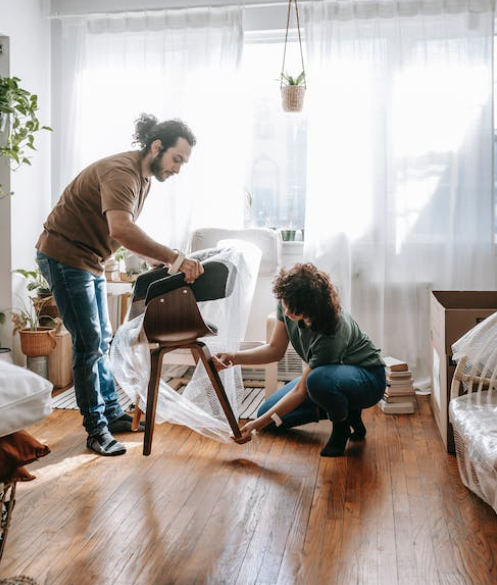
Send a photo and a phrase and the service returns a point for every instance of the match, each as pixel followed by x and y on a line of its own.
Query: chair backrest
pixel 170 304
pixel 211 285
pixel 174 317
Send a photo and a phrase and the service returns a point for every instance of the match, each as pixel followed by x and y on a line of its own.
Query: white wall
pixel 26 25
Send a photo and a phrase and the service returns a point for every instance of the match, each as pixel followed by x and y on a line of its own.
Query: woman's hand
pixel 223 360
pixel 246 431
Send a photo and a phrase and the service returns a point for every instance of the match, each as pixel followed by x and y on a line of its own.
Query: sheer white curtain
pixel 400 178
pixel 173 64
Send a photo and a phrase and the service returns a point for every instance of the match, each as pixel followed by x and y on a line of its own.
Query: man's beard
pixel 156 168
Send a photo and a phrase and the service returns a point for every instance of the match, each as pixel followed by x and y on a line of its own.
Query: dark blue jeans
pixel 82 302
pixel 335 390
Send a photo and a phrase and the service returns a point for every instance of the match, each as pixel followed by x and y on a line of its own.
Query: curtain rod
pixel 274 4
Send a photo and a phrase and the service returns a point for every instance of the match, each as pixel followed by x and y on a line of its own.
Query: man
pixel 96 215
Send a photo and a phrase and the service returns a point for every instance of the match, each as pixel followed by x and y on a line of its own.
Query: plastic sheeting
pixel 474 414
pixel 197 407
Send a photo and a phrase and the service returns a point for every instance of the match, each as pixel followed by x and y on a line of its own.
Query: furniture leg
pixel 203 352
pixel 152 394
pixel 137 415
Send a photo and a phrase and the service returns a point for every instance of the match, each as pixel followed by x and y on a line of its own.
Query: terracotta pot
pixel 37 343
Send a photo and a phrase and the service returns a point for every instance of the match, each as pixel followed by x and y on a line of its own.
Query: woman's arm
pixel 288 403
pixel 265 354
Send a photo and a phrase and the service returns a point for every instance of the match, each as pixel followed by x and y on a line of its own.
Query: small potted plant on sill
pixel 293 92
pixel 36 339
pixel 134 265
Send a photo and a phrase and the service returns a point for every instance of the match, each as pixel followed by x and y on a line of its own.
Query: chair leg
pixel 203 352
pixel 156 356
pixel 137 415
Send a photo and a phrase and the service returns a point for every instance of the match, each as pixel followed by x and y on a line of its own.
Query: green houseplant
pixel 36 339
pixel 18 122
pixel 293 91
pixel 37 283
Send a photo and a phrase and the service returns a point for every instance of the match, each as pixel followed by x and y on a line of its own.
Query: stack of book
pixel 399 394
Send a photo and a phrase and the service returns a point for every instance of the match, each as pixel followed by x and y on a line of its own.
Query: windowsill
pixel 293 246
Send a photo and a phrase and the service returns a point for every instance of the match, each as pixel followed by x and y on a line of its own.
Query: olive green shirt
pixel 76 232
pixel 347 345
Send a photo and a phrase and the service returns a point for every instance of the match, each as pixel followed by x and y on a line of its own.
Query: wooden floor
pixel 393 511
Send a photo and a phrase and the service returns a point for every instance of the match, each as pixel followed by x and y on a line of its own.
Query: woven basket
pixel 292 98
pixel 37 343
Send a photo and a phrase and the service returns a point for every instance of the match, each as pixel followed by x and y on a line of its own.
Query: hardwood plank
pixel 272 512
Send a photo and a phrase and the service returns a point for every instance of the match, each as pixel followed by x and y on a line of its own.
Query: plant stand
pixel 38 365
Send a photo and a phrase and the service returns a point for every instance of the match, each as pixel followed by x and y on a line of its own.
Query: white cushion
pixel 268 241
pixel 25 398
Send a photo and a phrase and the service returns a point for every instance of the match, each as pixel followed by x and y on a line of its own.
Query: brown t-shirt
pixel 76 231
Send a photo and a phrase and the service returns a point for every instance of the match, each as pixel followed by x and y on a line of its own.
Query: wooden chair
pixel 173 321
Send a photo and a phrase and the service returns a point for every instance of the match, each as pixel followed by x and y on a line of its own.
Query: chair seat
pixel 177 339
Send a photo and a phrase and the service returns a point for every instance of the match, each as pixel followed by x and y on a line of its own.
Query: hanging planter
pixel 292 88
pixel 292 94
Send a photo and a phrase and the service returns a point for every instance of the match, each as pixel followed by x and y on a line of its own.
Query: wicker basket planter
pixel 292 98
pixel 37 343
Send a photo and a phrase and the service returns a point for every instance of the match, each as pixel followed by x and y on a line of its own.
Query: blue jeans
pixel 82 302
pixel 335 390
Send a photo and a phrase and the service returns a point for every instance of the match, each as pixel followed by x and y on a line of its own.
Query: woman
pixel 344 372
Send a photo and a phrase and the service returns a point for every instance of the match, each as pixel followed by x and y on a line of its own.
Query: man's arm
pixel 123 229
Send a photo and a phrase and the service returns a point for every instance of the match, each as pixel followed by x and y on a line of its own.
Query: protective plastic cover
pixel 197 407
pixel 474 414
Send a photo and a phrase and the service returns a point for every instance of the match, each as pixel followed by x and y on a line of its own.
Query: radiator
pixel 289 367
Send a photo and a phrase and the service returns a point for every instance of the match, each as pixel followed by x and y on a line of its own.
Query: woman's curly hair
pixel 308 291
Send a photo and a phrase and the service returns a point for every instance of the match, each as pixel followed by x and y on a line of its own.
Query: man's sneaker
pixel 105 444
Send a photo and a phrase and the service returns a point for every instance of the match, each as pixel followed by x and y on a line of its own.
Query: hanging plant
pixel 293 92
pixel 292 88
pixel 18 122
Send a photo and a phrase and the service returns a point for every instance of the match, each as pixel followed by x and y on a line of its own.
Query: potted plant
pixel 293 92
pixel 18 122
pixel 37 283
pixel 133 264
pixel 36 339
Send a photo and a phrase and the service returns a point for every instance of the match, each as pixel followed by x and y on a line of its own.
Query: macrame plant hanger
pixel 293 88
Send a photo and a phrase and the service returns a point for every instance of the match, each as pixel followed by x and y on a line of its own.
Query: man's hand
pixel 192 269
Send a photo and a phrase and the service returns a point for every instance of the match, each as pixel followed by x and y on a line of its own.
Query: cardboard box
pixel 452 314
pixel 60 361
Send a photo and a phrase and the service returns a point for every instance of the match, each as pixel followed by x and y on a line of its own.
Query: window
pixel 276 162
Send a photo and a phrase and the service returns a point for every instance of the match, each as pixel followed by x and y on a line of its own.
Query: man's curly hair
pixel 308 291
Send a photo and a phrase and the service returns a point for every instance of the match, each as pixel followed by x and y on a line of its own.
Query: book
pixel 396 392
pixel 400 375
pixel 397 382
pixel 396 407
pixel 403 398
pixel 395 365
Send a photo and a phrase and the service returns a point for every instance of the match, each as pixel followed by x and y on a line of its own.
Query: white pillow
pixel 25 398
